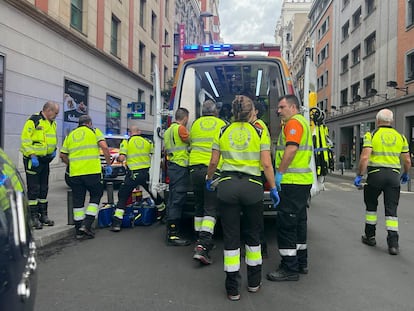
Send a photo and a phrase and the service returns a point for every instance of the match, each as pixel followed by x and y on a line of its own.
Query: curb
pixel 59 233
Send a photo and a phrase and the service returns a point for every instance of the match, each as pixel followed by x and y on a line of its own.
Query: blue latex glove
pixel 278 180
pixel 357 181
pixel 209 185
pixel 275 196
pixel 108 171
pixel 35 161
pixel 53 154
pixel 404 178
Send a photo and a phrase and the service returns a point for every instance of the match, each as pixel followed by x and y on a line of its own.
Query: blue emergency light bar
pixel 215 48
pixel 207 48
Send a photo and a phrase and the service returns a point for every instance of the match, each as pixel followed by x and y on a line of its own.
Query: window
pixel 114 35
pixel 152 103
pixel 369 83
pixel 141 95
pixel 153 60
pixel 344 63
pixel 323 54
pixel 345 31
pixel 410 66
pixel 154 27
pixel 370 44
pixel 76 14
pixel 356 18
pixel 141 60
pixel 142 8
pixel 355 91
pixel 167 9
pixel 345 3
pixel 356 55
pixel 369 6
pixel 322 80
pixel 166 42
pixel 165 78
pixel 324 28
pixel 410 12
pixel 344 97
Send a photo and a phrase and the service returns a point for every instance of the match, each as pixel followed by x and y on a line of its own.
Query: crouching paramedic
pixel 80 151
pixel 138 151
pixel 202 133
pixel 243 148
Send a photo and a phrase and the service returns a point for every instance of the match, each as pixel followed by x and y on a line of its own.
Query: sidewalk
pixel 348 174
pixel 57 211
pixel 57 198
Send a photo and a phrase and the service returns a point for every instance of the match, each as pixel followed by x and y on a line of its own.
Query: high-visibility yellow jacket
pixel 387 144
pixel 240 145
pixel 38 136
pixel 138 151
pixel 176 149
pixel 299 171
pixel 82 148
pixel 202 133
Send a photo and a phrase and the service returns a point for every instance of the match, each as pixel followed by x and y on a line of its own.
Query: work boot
pixel 116 224
pixel 281 275
pixel 303 270
pixel 173 238
pixel 160 212
pixel 78 234
pixel 86 227
pixel 232 283
pixel 201 254
pixel 370 241
pixel 36 223
pixel 44 219
pixel 392 241
pixel 264 250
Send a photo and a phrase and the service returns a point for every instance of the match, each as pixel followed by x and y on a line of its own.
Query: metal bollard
pixel 110 192
pixel 70 207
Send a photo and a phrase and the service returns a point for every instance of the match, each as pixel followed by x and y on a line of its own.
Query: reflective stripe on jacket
pixel 240 145
pixel 387 145
pixel 82 148
pixel 202 133
pixel 38 136
pixel 138 151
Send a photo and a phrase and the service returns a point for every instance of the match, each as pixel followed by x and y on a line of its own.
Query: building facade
pixel 364 57
pixel 290 25
pixel 94 57
pixel 196 22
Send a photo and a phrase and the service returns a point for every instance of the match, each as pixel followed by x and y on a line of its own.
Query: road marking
pixel 343 186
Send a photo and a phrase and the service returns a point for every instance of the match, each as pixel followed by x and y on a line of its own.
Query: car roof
pixel 116 136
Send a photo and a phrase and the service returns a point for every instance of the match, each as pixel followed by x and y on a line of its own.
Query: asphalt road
pixel 134 270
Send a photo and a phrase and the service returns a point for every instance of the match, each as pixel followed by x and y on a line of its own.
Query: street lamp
pixel 203 15
pixel 374 92
pixel 206 14
pixel 394 85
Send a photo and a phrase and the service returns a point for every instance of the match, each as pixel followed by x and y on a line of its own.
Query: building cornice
pixel 373 108
pixel 69 34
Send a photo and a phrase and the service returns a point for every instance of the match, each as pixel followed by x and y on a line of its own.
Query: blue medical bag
pixel 105 215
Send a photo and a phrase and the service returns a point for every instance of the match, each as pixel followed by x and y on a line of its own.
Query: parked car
pixel 18 264
pixel 118 168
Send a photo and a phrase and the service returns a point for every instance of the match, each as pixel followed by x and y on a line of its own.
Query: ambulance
pixel 221 71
